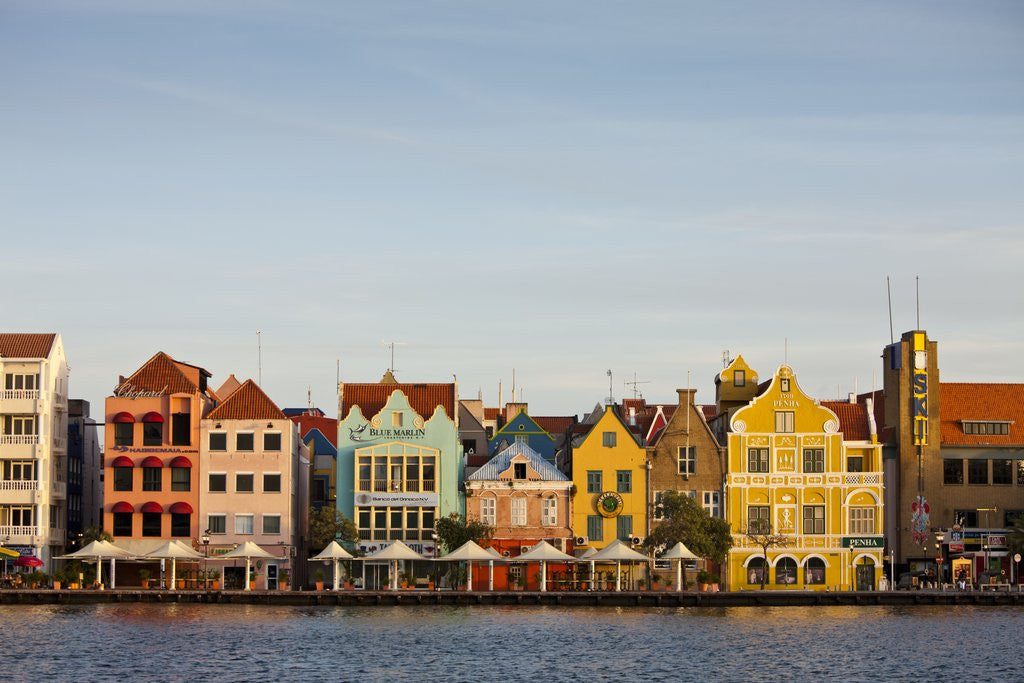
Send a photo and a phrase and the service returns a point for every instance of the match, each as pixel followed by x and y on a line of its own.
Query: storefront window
pixel 814 571
pixel 151 523
pixel 122 524
pixel 952 471
pixel 756 570
pixel 785 571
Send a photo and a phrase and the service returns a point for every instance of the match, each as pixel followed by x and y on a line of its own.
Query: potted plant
pixel 347 576
pixel 703 577
pixel 668 584
pixel 713 579
pixel 58 579
pixel 282 580
pixel 144 575
pixel 642 583
pixel 407 579
pixel 520 582
pixel 214 579
pixel 319 573
pixel 655 579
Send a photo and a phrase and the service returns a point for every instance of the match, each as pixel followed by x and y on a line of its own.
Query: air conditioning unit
pixel 559 543
pixel 581 540
pixel 637 540
pixel 506 553
pixel 524 549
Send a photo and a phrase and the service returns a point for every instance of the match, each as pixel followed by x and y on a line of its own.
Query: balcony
pixel 19 395
pixel 20 535
pixel 59 490
pixel 396 486
pixel 60 402
pixel 60 443
pixel 19 439
pixel 19 492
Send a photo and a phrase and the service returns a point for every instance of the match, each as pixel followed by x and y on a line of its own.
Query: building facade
pixel 85 490
pixel 33 444
pixel 792 474
pixel 522 429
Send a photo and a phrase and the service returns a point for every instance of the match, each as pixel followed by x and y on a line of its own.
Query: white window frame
pixel 517 511
pixel 712 502
pixel 862 520
pixel 263 441
pixel 220 515
pixel 210 474
pixel 686 460
pixel 243 432
pixel 549 511
pixel 280 482
pixel 785 421
pixel 240 517
pixel 263 523
pixel 488 510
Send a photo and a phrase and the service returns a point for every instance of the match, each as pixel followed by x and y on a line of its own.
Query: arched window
pixel 785 571
pixel 756 570
pixel 814 571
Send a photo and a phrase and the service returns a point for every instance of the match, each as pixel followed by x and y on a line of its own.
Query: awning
pixel 152 461
pixel 152 416
pixel 122 461
pixel 123 417
pixel 122 506
pixel 181 509
pixel 152 507
pixel 181 461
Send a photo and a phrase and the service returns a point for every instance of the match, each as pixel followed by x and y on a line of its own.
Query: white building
pixel 33 444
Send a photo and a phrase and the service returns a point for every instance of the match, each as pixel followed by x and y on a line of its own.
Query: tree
pixel 761 535
pixel 329 524
pixel 1016 538
pixel 683 520
pixel 94 533
pixel 454 530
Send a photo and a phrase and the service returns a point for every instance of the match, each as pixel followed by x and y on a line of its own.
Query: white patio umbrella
pixel 468 552
pixel 618 552
pixel 248 550
pixel 586 556
pixel 495 557
pixel 98 550
pixel 393 553
pixel 334 552
pixel 679 552
pixel 543 552
pixel 174 551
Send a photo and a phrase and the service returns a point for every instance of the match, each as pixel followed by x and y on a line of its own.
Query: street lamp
pixel 985 537
pixel 938 561
pixel 206 559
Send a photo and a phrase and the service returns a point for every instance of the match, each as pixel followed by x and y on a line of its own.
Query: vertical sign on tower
pixel 919 389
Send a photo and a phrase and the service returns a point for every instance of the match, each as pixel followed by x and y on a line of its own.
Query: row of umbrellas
pixel 543 552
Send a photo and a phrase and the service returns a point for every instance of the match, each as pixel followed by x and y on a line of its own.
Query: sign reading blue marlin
pixel 365 434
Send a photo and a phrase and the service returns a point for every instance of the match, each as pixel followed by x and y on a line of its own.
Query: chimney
pixel 853 398
pixel 686 396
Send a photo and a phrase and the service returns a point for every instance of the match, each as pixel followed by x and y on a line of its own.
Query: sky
pixel 561 189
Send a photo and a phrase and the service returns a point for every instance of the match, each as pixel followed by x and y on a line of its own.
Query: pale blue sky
pixel 561 188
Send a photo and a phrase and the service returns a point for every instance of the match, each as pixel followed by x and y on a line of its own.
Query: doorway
pixel 271 577
pixel 865 575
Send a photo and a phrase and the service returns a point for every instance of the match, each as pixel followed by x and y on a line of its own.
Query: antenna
pixel 392 345
pixel 513 385
pixel 309 398
pixel 888 288
pixel 611 393
pixel 259 357
pixel 337 373
pixel 634 384
pixel 725 358
pixel 785 350
pixel 917 287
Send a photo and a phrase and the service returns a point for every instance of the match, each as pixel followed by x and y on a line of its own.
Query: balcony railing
pixel 396 486
pixel 20 394
pixel 14 531
pixel 19 485
pixel 830 542
pixel 19 439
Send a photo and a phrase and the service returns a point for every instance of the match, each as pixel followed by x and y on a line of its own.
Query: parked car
pixel 911 580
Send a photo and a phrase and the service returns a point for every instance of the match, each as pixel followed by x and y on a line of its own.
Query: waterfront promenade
pixel 642 599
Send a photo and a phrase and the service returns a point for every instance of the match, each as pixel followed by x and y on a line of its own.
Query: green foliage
pixel 319 573
pixel 686 521
pixel 1016 538
pixel 94 533
pixel 453 531
pixel 703 576
pixel 144 574
pixel 329 524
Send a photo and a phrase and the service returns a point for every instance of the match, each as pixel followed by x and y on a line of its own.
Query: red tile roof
pixel 423 398
pixel 710 411
pixel 160 373
pixel 853 419
pixel 491 413
pixel 26 345
pixel 328 426
pixel 248 402
pixel 982 402
pixel 555 425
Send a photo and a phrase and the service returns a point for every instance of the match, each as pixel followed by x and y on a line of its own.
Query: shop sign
pixel 956 547
pixel 127 390
pixel 956 536
pixel 863 542
pixel 919 389
pixel 367 433
pixel 151 449
pixel 997 540
pixel 406 499
pixel 609 504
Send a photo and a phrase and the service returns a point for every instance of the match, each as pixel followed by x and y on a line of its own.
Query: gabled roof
pixel 230 386
pixel 26 345
pixel 159 373
pixel 555 424
pixel 853 419
pixel 423 398
pixel 491 413
pixel 964 401
pixel 503 460
pixel 292 412
pixel 327 426
pixel 248 402
pixel 709 411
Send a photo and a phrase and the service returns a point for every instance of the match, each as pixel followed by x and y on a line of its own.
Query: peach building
pixel 254 484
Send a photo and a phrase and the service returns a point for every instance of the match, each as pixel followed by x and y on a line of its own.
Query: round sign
pixel 1016 557
pixel 609 504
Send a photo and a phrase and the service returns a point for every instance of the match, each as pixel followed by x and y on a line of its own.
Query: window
pixel 952 471
pixel 13 382
pixel 181 429
pixel 152 434
pixel 396 418
pixel 181 478
pixel 757 459
pixel 122 478
pixel 756 569
pixel 758 519
pixel 244 441
pixel 784 422
pixel 272 483
pixel 522 438
pixel 519 470
pixel 784 385
pixel 977 471
pixel 1010 517
pixel 243 524
pixel 487 510
pixel 987 428
pixel 218 483
pixel 518 511
pixel 243 483
pixel 595 528
pixel 594 483
pixel 814 570
pixel 785 571
pixel 272 441
pixel 966 518
pixel 124 433
pixel 862 520
pixel 218 441
pixel 272 524
pixel 814 460
pixel 217 524
pixel 1002 472
pixel 855 463
pixel 713 503
pixel 624 527
pixel 624 481
pixel 19 470
pixel 814 519
pixel 1020 473
pixel 608 439
pixel 687 460
pixel 21 516
pixel 151 478
pixel 739 378
pixel 19 425
pixel 549 512
pixel 181 524
pixel 122 524
pixel 658 512
pixel 151 524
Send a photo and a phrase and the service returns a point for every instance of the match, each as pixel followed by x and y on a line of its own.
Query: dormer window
pixel 986 427
pixel 784 385
pixel 739 378
pixel 396 419
pixel 519 470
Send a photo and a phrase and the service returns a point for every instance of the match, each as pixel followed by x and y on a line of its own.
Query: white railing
pixel 20 394
pixel 20 485
pixel 19 440
pixel 14 531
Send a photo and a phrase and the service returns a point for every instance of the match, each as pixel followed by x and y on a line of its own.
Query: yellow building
pixel 609 473
pixel 812 473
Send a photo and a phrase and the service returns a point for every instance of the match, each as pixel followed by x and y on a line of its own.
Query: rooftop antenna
pixel 917 287
pixel 888 289
pixel 636 390
pixel 513 385
pixel 785 350
pixel 309 398
pixel 611 393
pixel 725 358
pixel 259 357
pixel 392 345
pixel 337 372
